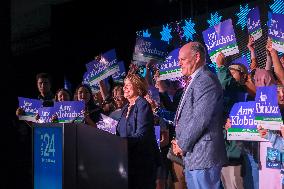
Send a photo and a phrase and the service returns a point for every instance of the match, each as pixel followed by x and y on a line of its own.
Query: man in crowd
pixel 199 136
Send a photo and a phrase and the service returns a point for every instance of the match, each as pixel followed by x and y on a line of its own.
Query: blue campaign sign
pixel 45 114
pixel 30 106
pixel 276 31
pixel 69 111
pixel 267 112
pixel 104 67
pixel 266 102
pixel 253 23
pixel 147 48
pixel 243 60
pixel 242 115
pixel 47 157
pixel 170 68
pixel 119 76
pixel 220 38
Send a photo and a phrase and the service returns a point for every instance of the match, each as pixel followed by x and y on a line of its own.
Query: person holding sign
pixel 137 126
pixel 44 87
pixel 199 134
pixel 92 114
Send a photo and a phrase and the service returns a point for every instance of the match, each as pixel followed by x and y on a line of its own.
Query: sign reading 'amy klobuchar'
pixel 221 38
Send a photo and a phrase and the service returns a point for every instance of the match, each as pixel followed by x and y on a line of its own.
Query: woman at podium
pixel 137 125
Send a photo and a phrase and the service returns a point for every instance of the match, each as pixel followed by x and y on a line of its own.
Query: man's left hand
pixel 176 149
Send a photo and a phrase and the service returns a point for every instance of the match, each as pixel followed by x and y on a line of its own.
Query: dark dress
pixel 143 153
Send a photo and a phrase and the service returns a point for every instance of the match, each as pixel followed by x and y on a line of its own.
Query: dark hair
pixel 91 104
pixel 139 83
pixel 43 75
pixel 65 90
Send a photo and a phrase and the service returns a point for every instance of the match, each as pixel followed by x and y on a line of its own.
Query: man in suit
pixel 199 120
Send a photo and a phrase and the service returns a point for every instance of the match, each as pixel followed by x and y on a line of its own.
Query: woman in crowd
pixel 119 102
pixel 92 113
pixel 137 125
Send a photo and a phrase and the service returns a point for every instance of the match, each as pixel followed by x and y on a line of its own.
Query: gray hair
pixel 198 47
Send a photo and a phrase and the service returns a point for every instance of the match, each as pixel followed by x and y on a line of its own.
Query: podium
pixel 77 156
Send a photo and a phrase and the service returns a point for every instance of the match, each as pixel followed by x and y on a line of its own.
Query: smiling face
pixel 118 97
pixel 63 96
pixel 83 95
pixel 129 90
pixel 189 59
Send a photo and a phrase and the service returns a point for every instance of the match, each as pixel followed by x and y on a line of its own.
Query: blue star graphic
pixel 166 33
pixel 214 20
pixel 242 15
pixel 146 33
pixel 188 29
pixel 277 7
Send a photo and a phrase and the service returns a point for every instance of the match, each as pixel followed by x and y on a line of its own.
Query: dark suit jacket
pixel 199 123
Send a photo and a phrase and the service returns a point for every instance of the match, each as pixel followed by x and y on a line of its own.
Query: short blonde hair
pixel 139 84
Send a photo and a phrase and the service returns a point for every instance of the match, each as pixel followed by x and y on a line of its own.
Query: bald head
pixel 191 57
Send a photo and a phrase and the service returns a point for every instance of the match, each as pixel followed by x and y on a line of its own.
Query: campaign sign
pixel 30 106
pixel 243 123
pixel 267 112
pixel 221 38
pixel 47 157
pixel 273 158
pixel 158 134
pixel 107 124
pixel 105 67
pixel 120 75
pixel 69 111
pixel 170 69
pixel 276 31
pixel 45 114
pixel 147 48
pixel 253 23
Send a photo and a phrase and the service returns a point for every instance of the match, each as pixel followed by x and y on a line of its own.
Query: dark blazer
pixel 199 123
pixel 143 152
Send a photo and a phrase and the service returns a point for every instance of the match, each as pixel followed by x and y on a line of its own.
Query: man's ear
pixel 197 57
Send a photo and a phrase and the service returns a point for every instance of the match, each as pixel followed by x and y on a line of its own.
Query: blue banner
pixel 267 112
pixel 242 115
pixel 243 123
pixel 30 106
pixel 170 68
pixel 253 23
pixel 45 114
pixel 69 111
pixel 120 75
pixel 48 157
pixel 147 48
pixel 105 67
pixel 276 31
pixel 221 38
